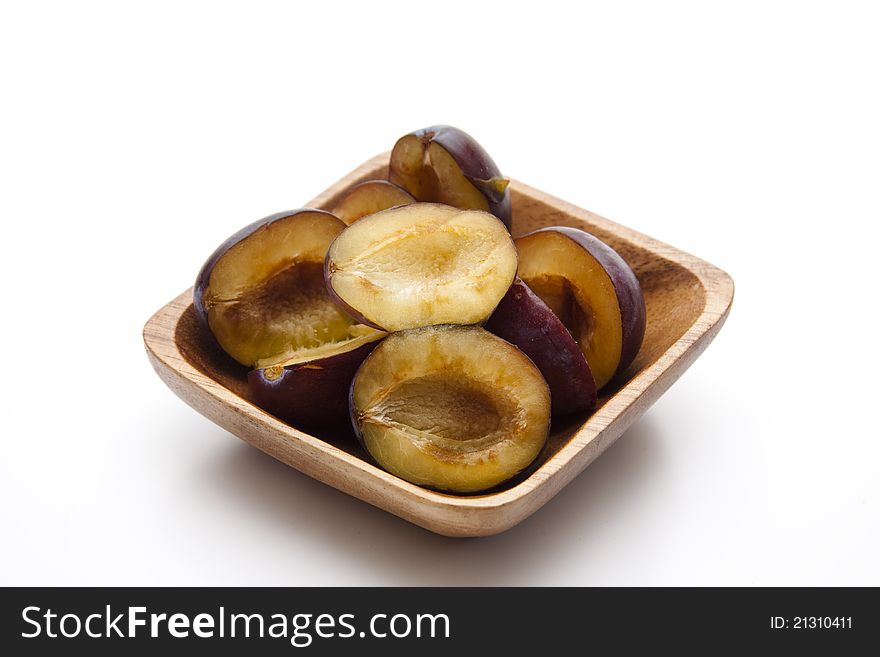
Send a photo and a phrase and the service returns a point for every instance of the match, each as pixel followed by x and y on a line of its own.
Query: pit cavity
pixel 560 295
pixel 451 409
pixel 290 311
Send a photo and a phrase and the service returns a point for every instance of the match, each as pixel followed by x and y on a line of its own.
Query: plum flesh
pixel 421 265
pixel 450 407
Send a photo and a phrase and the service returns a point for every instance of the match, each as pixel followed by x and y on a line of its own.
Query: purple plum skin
pixel 312 394
pixel 525 321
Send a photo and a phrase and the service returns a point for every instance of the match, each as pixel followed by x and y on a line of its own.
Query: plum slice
pixel 528 323
pixel 370 197
pixel 312 392
pixel 450 407
pixel 446 165
pixel 262 292
pixel 593 292
pixel 420 265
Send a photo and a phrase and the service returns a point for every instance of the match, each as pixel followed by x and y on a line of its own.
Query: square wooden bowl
pixel 687 301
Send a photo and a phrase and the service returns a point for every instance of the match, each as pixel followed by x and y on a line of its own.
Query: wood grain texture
pixel 687 302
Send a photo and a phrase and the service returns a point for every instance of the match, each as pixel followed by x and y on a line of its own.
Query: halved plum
pixel 528 323
pixel 368 198
pixel 420 265
pixel 446 165
pixel 451 407
pixel 262 292
pixel 592 290
pixel 314 392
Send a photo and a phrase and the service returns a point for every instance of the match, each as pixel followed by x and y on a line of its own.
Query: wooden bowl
pixel 687 301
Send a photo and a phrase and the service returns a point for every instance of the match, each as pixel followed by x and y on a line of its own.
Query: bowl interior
pixel 674 296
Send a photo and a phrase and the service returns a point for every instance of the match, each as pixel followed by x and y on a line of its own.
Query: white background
pixel 134 140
